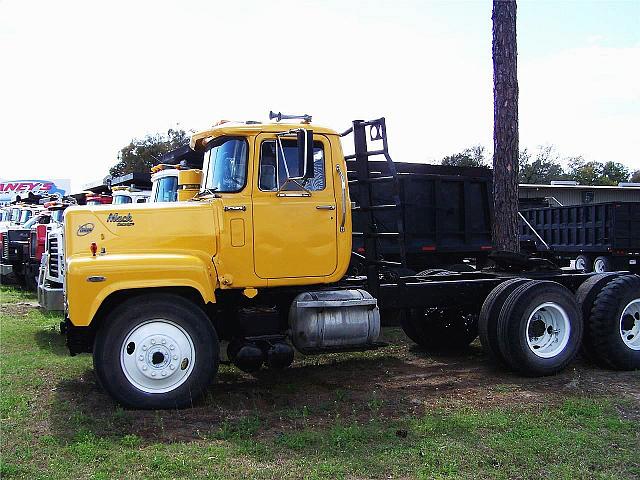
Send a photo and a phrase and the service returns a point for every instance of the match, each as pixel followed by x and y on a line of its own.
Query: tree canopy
pixel 545 165
pixel 541 169
pixel 142 154
pixel 469 157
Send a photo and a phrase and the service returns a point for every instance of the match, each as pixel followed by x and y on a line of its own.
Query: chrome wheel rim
pixel 599 266
pixel 630 325
pixel 548 330
pixel 580 264
pixel 157 356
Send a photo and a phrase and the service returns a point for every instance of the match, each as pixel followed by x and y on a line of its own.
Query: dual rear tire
pixel 534 327
pixel 537 327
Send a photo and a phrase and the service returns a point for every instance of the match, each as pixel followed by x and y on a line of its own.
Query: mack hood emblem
pixel 120 220
pixel 85 229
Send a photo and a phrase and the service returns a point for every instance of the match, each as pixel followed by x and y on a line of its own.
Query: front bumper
pixel 51 298
pixel 6 269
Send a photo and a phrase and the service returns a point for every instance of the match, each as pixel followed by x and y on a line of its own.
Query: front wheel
pixel 155 353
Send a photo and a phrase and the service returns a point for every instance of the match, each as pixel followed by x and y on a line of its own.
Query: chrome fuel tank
pixel 334 320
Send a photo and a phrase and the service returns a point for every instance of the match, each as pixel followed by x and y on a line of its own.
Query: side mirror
pixel 305 152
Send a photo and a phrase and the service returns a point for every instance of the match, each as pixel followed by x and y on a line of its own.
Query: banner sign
pixel 11 189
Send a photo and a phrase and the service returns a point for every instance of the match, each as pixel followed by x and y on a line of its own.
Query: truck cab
pixel 122 195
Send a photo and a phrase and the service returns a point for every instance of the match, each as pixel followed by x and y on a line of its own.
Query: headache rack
pixel 358 163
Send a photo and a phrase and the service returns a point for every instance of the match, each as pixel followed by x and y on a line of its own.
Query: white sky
pixel 80 79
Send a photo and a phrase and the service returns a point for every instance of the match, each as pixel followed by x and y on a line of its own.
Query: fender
pixel 92 279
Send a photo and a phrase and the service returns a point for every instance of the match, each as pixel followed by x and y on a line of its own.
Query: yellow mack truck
pixel 256 263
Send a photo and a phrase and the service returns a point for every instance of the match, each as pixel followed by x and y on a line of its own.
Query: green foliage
pixel 597 173
pixel 142 154
pixel 541 169
pixel 66 427
pixel 469 157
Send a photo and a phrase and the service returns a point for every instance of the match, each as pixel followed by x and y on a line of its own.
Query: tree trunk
pixel 505 126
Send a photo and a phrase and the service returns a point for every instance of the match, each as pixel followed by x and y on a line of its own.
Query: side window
pixel 267 180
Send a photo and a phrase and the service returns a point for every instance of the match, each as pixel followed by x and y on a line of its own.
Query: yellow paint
pixel 259 240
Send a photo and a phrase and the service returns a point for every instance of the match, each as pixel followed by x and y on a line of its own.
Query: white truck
pixel 123 195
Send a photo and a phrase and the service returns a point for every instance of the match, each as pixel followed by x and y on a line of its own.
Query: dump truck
pixel 131 194
pixel 174 183
pixel 599 237
pixel 256 266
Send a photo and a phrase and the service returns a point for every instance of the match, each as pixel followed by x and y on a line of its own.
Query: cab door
pixel 295 229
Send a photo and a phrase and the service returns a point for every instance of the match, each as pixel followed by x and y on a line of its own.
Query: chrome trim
pixel 344 198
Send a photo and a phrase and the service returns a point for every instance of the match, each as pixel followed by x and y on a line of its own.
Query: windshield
pixel 120 199
pixel 166 189
pixel 25 215
pixel 226 165
pixel 57 215
pixel 38 219
pixel 94 202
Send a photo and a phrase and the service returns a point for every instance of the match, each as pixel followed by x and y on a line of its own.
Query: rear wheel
pixel 157 352
pixel 585 296
pixel 583 263
pixel 488 320
pixel 602 264
pixel 614 325
pixel 539 328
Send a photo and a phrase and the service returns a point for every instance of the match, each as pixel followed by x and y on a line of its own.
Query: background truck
pixel 14 243
pixel 600 237
pixel 446 211
pixel 255 266
pixel 122 195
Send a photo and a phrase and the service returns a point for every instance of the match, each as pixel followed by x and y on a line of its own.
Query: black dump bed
pixel 447 212
pixel 600 227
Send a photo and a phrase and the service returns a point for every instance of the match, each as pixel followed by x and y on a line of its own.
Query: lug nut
pixel 172 367
pixel 153 374
pixel 171 347
pixel 175 357
pixel 153 341
pixel 164 342
pixel 144 367
pixel 144 347
pixel 141 358
pixel 164 374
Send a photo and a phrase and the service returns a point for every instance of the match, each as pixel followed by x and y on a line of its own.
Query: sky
pixel 80 79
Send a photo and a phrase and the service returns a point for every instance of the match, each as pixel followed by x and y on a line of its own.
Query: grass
pixel 56 423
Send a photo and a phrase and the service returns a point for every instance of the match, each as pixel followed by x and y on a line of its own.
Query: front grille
pixel 33 243
pixel 52 248
pixel 5 245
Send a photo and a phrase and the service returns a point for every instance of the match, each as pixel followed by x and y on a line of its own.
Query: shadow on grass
pixel 273 399
pixel 52 341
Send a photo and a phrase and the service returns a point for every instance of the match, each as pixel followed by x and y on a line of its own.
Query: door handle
pixel 235 208
pixel 325 207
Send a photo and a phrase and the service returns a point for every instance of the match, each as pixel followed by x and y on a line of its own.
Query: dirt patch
pixel 19 309
pixel 390 383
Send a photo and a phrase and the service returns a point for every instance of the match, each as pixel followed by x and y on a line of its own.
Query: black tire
pixel 514 328
pixel 488 319
pixel 602 264
pixel 586 261
pixel 585 296
pixel 605 322
pixel 440 330
pixel 407 326
pixel 124 319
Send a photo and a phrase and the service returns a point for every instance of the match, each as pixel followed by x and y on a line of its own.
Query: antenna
pixel 281 116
